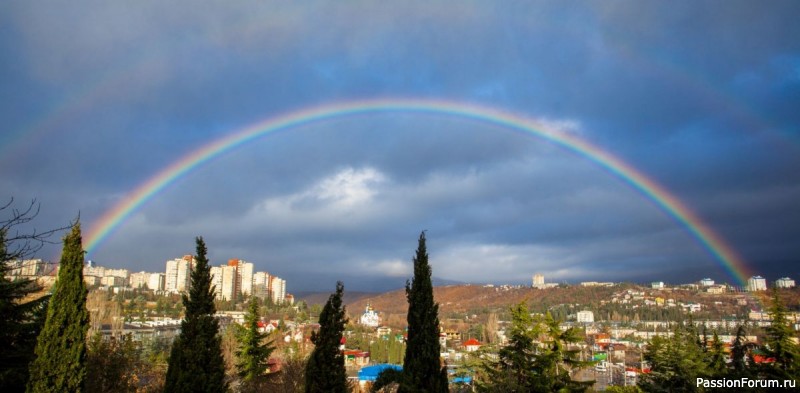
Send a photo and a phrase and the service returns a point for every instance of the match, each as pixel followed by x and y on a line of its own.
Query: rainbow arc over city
pixel 647 187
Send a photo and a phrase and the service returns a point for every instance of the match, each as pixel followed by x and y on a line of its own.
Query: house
pixel 355 357
pixel 472 345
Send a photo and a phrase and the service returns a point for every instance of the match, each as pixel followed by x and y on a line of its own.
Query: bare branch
pixel 17 243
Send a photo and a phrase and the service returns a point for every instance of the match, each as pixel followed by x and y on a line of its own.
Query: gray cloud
pixel 98 97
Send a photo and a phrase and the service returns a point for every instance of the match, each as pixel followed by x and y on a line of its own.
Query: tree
pixel 675 362
pixel 22 317
pixel 739 355
pixel 514 368
pixel 555 359
pixel 716 362
pixel 254 352
pixel 60 363
pixel 112 366
pixel 523 366
pixel 325 370
pixel 422 370
pixel 195 362
pixel 779 344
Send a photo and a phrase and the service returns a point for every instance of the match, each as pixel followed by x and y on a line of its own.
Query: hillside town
pixel 616 320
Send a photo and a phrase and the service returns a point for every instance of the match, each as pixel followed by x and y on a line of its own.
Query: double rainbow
pixel 667 202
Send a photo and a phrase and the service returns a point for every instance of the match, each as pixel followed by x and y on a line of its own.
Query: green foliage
pixel 675 362
pixel 325 370
pixel 20 323
pixel 254 352
pixel 422 370
pixel 195 362
pixel 387 349
pixel 739 355
pixel 779 344
pixel 514 368
pixel 113 365
pixel 60 363
pixel 524 365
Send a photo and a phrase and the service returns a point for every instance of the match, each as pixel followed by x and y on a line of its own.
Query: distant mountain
pixel 472 298
pixel 322 297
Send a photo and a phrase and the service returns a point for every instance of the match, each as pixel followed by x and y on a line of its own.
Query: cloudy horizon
pixel 99 98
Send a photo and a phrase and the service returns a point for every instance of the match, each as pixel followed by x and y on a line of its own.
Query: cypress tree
pixel 195 361
pixel 422 371
pixel 325 370
pixel 254 352
pixel 60 364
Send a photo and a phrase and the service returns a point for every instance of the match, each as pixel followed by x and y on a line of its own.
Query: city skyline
pixel 596 142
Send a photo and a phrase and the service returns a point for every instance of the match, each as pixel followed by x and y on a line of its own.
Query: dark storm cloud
pixel 98 97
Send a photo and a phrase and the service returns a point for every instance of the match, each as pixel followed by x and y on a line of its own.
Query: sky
pixel 700 97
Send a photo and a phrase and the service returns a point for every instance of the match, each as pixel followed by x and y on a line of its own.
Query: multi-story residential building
pixel 223 278
pixel 178 274
pixel 784 282
pixel 277 289
pixel 657 285
pixel 138 280
pixel 706 282
pixel 261 285
pixel 146 280
pixel 756 283
pixel 94 270
pixel 155 282
pixel 585 317
pixel 112 281
pixel 538 281
pixel 244 276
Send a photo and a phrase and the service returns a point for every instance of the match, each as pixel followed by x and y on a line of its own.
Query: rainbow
pixel 668 203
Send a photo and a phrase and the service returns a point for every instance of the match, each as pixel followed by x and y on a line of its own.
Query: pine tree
pixel 254 352
pixel 60 364
pixel 779 343
pixel 738 355
pixel 514 368
pixel 422 371
pixel 20 324
pixel 325 370
pixel 195 362
pixel 717 366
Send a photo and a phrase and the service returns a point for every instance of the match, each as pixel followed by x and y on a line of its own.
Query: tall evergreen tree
pixel 513 371
pixel 195 362
pixel 422 371
pixel 675 362
pixel 739 355
pixel 20 324
pixel 325 370
pixel 60 364
pixel 779 344
pixel 254 352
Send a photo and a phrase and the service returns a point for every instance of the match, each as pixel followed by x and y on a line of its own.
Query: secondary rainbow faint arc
pixel 704 234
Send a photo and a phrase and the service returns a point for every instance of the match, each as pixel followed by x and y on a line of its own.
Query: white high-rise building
pixel 277 289
pixel 216 280
pixel 757 283
pixel 178 274
pixel 538 281
pixel 244 277
pixel 784 282
pixel 261 284
pixel 155 282
pixel 706 282
pixel 223 278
